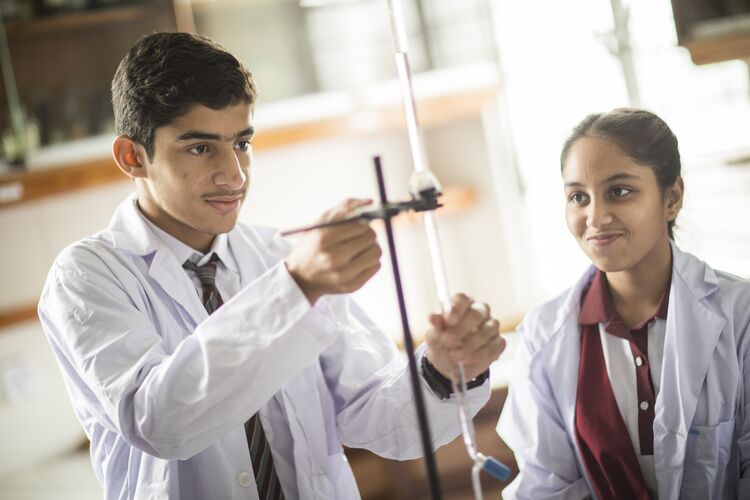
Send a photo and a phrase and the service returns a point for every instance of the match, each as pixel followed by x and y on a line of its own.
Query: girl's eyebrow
pixel 616 177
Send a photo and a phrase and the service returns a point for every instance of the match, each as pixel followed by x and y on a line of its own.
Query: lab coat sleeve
pixel 531 425
pixel 373 398
pixel 173 405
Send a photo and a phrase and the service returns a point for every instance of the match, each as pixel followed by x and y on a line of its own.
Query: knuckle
pixel 327 260
pixel 476 315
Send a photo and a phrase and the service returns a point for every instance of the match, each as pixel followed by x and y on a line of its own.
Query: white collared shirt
pixel 621 367
pixel 227 273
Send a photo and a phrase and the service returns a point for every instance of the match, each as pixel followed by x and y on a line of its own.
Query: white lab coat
pixel 163 390
pixel 702 411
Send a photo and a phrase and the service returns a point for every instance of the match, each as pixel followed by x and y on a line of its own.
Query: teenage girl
pixel 634 383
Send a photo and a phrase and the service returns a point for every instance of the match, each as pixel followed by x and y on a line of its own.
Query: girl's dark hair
pixel 164 74
pixel 640 134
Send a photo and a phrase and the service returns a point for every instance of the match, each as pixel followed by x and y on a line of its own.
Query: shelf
pixel 711 34
pixel 65 21
pixel 27 186
pixel 17 315
pixel 433 111
pixel 719 48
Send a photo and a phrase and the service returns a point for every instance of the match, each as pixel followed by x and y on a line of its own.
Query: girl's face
pixel 615 208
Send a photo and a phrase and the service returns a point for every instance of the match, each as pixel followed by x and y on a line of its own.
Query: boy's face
pixel 195 184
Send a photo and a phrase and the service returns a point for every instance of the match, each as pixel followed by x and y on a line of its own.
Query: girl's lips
pixel 224 207
pixel 603 240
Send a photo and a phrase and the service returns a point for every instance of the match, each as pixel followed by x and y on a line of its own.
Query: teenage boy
pixel 213 360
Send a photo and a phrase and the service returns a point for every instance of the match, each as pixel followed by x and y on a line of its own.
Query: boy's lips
pixel 225 204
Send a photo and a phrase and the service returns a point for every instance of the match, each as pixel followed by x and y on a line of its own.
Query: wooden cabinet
pixel 61 70
pixel 713 30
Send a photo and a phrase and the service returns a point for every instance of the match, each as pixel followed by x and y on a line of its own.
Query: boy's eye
pixel 199 149
pixel 243 145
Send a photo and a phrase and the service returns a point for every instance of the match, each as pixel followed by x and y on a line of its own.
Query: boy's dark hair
pixel 164 74
pixel 640 134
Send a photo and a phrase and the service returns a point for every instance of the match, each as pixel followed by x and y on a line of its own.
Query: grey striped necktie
pixel 260 453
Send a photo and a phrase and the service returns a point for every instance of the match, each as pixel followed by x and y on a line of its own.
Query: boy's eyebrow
pixel 207 136
pixel 616 177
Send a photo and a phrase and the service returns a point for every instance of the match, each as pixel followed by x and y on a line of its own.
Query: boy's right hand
pixel 335 259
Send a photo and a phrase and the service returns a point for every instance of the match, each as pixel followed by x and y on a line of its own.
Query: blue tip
pixel 496 469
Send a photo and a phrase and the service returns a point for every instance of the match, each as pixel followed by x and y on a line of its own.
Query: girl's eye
pixel 577 198
pixel 199 149
pixel 620 192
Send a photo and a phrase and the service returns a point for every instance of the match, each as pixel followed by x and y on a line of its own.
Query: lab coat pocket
pixel 707 455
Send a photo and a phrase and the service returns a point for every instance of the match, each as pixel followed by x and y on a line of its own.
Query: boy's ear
pixel 129 156
pixel 674 196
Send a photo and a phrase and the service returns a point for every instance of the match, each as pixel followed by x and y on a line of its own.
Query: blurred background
pixel 499 84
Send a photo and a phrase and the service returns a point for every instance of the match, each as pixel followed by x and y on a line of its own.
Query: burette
pixel 421 175
pixel 423 180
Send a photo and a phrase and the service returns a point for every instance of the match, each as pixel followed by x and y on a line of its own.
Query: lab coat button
pixel 245 479
pixel 644 405
pixel 638 361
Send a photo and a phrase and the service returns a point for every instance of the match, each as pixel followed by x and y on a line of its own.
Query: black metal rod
pixel 424 424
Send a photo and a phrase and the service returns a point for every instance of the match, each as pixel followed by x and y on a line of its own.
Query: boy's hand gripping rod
pixel 422 177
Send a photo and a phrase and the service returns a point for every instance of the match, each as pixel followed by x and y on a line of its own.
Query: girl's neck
pixel 637 292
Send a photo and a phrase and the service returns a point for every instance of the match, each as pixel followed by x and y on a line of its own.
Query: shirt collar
pixel 597 306
pixel 184 252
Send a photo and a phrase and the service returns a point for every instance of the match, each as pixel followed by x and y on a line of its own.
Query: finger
pixel 437 321
pixel 351 252
pixel 478 338
pixel 340 233
pixel 487 354
pixel 366 257
pixel 460 303
pixel 358 244
pixel 345 208
pixel 476 314
pixel 362 277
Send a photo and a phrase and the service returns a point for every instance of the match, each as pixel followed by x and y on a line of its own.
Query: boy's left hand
pixel 466 334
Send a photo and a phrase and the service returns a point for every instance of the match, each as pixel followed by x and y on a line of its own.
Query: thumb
pixel 346 207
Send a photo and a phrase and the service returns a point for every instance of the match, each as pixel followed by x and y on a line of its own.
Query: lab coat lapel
pixel 175 282
pixel 692 332
pixel 248 251
pixel 565 357
pixel 131 233
pixel 243 249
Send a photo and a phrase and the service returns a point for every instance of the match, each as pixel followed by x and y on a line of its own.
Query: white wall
pixel 557 69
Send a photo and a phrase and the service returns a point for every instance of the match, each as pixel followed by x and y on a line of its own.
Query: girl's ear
pixel 128 155
pixel 673 198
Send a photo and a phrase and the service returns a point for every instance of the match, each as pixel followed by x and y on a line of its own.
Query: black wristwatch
pixel 441 385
